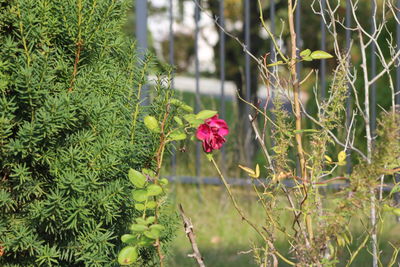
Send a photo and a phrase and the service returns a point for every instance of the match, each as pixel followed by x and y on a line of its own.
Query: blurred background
pixel 211 70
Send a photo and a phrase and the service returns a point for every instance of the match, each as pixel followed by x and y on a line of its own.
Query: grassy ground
pixel 225 240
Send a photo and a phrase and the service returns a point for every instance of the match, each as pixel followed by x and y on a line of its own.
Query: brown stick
pixel 187 224
pixel 297 110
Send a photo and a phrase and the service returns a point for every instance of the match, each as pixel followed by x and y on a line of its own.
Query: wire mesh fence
pixel 320 37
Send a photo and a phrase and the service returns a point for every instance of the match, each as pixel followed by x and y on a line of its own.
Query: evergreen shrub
pixel 70 129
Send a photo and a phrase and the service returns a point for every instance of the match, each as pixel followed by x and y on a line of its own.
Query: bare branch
pixel 187 224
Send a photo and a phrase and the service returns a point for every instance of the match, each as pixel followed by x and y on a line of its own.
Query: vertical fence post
pixel 272 13
pixel 196 63
pixel 349 98
pixel 397 92
pixel 172 62
pixel 247 56
pixel 246 122
pixel 222 65
pixel 141 36
pixel 372 106
pixel 323 48
pixel 299 65
pixel 272 19
pixel 373 71
pixel 299 41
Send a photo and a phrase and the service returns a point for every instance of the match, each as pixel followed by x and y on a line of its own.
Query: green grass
pixel 220 232
pixel 224 239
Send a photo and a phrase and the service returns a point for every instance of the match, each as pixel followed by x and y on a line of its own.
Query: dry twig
pixel 187 224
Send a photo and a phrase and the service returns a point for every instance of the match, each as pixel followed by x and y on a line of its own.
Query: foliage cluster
pixel 70 128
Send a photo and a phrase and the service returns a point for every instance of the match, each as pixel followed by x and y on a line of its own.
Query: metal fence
pixel 141 7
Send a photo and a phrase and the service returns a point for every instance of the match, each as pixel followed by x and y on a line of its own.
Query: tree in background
pixel 70 129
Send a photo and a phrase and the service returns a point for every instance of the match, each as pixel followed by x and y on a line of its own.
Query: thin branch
pixel 187 224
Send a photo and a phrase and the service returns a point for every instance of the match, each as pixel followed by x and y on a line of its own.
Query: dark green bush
pixel 70 129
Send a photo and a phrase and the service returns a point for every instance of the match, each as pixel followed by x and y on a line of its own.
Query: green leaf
pixel 150 219
pixel 320 55
pixel 386 207
pixel 128 238
pixel 145 241
pixel 342 156
pixel 205 114
pixel 191 118
pixel 328 159
pixel 151 205
pixel 181 105
pixel 127 255
pixel 141 221
pixel 154 190
pixel 164 181
pixel 139 206
pixel 138 228
pixel 151 123
pixel 307 58
pixel 396 211
pixel 139 195
pixel 158 227
pixel 148 172
pixel 137 178
pixel 177 135
pixel 176 102
pixel 305 53
pixel 280 62
pixel 395 189
pixel 153 234
pixel 305 131
pixel 178 120
pixel 187 108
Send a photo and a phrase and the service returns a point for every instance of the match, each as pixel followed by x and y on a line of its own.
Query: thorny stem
pixel 297 110
pixel 296 88
pixel 241 213
pixel 159 159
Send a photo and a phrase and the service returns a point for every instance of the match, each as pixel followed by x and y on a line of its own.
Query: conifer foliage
pixel 70 129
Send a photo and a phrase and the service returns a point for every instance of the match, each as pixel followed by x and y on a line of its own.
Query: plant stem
pixel 241 213
pixel 270 33
pixel 159 159
pixel 367 118
pixel 297 110
pixel 187 224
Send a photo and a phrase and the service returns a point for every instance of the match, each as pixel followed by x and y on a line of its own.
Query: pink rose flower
pixel 212 133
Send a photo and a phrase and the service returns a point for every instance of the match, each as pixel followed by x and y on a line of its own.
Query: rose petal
pixel 223 131
pixel 207 147
pixel 212 133
pixel 203 132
